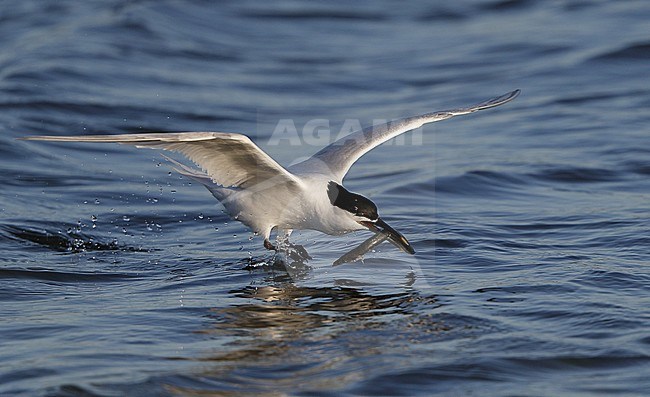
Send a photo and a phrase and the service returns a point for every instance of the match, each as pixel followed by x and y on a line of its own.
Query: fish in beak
pixel 395 237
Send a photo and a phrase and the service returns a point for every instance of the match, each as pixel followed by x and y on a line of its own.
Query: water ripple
pixel 637 51
pixel 529 221
pixel 70 241
pixel 64 277
pixel 578 175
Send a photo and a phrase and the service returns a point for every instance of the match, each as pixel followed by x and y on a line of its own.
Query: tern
pixel 258 192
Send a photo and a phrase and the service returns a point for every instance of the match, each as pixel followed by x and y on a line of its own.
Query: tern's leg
pixel 266 233
pixel 269 246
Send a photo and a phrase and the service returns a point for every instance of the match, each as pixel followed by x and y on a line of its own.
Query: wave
pixel 326 15
pixel 637 51
pixel 577 175
pixel 58 276
pixel 72 240
pixel 480 183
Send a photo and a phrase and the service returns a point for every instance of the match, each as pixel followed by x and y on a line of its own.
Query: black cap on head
pixel 351 202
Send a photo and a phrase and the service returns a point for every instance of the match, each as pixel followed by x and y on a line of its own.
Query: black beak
pixel 395 237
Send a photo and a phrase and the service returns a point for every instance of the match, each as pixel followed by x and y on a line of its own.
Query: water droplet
pixel 126 218
pixel 201 216
pixel 93 218
pixel 96 201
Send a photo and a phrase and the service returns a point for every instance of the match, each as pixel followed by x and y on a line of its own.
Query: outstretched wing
pixel 231 160
pixel 339 156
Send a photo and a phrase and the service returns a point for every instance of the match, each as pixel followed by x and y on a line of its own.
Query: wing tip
pixel 36 138
pixel 500 100
pixel 511 95
pixel 144 137
pixel 69 138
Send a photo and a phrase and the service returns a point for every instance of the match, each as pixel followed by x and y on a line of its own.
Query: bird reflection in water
pixel 282 333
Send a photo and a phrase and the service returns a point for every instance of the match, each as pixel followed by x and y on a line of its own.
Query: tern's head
pixel 364 212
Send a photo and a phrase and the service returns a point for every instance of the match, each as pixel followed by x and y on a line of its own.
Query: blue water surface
pixel 530 221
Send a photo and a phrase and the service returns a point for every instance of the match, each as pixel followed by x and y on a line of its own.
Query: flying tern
pixel 263 195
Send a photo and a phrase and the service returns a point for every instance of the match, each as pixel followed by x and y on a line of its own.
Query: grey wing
pixel 229 159
pixel 339 156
